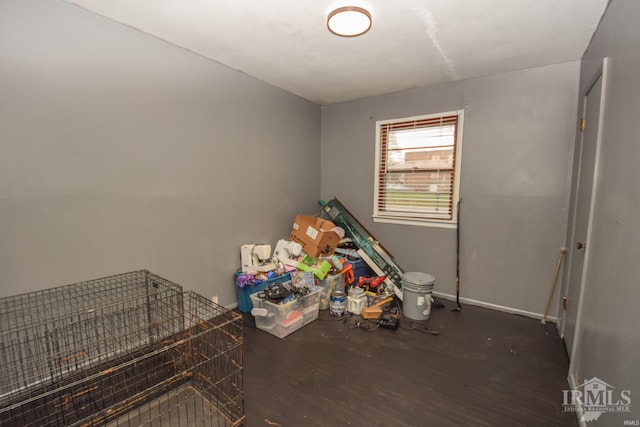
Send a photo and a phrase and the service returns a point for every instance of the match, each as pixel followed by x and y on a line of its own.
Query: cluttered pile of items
pixel 334 265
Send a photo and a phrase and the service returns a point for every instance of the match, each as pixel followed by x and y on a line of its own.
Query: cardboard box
pixel 315 235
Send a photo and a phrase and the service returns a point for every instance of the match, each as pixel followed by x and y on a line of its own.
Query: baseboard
pixel 510 310
pixel 231 306
pixel 572 385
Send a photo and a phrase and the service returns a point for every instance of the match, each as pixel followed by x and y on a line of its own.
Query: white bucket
pixel 416 295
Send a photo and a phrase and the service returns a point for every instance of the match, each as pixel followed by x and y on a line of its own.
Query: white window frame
pixel 406 217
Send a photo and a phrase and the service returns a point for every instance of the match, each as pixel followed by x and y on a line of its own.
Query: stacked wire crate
pixel 129 349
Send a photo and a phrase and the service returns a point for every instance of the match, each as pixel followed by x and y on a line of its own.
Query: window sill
pixel 450 224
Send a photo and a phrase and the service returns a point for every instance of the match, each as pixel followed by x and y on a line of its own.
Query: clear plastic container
pixel 327 286
pixel 283 319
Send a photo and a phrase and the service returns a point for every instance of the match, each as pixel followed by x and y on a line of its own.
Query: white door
pixel 578 249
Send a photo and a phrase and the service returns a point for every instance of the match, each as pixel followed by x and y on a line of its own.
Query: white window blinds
pixel 416 167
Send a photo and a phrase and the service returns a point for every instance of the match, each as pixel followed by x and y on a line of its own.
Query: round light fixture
pixel 349 21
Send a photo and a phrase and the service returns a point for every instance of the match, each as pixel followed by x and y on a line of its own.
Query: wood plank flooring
pixel 486 368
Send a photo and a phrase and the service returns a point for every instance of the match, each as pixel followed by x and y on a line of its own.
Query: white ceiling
pixel 412 43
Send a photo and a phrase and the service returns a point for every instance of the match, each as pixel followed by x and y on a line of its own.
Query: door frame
pixel 602 72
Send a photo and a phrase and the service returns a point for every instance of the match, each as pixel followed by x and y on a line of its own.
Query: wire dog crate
pixel 126 350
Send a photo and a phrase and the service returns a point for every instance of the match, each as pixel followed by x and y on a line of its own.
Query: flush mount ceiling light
pixel 349 21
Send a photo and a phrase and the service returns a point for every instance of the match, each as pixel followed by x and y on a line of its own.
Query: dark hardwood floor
pixel 486 368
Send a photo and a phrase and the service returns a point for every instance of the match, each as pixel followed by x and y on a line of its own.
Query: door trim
pixel 603 74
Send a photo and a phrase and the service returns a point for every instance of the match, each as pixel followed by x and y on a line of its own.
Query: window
pixel 417 169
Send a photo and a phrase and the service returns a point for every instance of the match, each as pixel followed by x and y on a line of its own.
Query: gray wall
pixel 610 315
pixel 519 130
pixel 120 152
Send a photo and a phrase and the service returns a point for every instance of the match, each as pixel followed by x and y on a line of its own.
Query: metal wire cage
pixel 131 349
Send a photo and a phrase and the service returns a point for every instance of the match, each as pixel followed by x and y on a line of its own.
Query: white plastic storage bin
pixel 283 319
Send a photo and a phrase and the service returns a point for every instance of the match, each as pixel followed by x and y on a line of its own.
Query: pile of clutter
pixel 317 267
